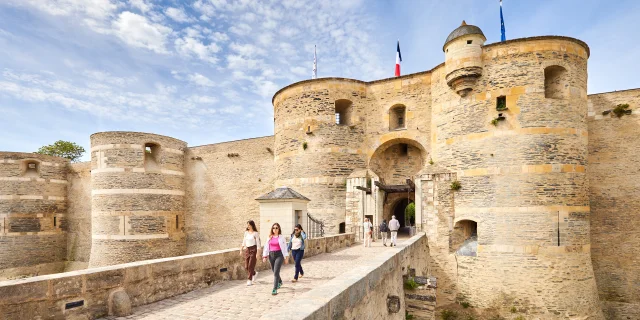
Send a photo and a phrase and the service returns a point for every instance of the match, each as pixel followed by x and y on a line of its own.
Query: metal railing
pixel 315 227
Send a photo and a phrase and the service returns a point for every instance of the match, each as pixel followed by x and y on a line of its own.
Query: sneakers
pixel 301 275
pixel 249 282
pixel 384 244
pixel 274 292
pixel 253 279
pixel 279 285
pixel 294 280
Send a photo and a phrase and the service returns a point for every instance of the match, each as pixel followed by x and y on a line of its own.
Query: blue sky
pixel 204 71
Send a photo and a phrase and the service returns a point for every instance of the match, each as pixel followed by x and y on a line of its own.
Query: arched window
pixel 464 238
pixel 31 168
pixel 343 112
pixel 556 82
pixel 397 117
pixel 151 156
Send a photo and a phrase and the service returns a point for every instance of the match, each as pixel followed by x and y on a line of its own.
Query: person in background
pixel 384 228
pixel 276 250
pixel 250 243
pixel 394 225
pixel 368 230
pixel 296 245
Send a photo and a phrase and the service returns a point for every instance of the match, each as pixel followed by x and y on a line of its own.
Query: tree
pixel 410 213
pixel 64 149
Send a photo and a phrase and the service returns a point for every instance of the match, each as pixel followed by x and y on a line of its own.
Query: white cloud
pixel 201 80
pixel 300 71
pixel 177 14
pixel 239 62
pixel 137 31
pixel 219 36
pixel 141 5
pixel 190 47
pixel 247 49
pixel 241 29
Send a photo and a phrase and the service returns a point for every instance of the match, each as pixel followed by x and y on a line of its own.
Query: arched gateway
pixel 386 187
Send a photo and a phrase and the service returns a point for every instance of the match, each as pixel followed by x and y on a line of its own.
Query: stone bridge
pixel 342 280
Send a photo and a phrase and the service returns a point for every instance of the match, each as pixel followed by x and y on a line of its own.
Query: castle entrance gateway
pixel 386 187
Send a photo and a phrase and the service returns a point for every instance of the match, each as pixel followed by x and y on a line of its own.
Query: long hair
pixel 299 228
pixel 253 225
pixel 271 234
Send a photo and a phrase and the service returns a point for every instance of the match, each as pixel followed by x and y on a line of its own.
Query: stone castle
pixel 546 214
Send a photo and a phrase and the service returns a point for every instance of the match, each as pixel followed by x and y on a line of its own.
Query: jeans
pixel 250 261
pixel 276 259
pixel 297 257
pixel 394 237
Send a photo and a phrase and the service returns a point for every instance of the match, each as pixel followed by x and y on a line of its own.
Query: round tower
pixel 137 197
pixel 33 207
pixel 318 139
pixel 517 142
pixel 463 57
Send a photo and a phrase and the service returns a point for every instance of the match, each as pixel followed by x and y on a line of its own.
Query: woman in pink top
pixel 276 251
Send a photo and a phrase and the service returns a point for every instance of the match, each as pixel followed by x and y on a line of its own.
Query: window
pixel 464 238
pixel 151 156
pixel 556 82
pixel 343 112
pixel 501 103
pixel 397 117
pixel 31 169
pixel 469 41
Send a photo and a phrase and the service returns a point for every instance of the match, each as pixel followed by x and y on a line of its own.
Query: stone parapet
pixel 86 293
pixel 373 290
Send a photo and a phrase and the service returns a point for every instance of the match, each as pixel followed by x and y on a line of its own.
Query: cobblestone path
pixel 236 300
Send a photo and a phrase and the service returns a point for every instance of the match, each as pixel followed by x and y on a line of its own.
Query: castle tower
pixel 463 57
pixel 517 142
pixel 33 205
pixel 318 142
pixel 137 197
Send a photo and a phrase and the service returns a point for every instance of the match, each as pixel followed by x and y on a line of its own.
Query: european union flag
pixel 504 37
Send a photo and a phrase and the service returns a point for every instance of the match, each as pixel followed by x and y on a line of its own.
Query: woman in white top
pixel 276 250
pixel 296 246
pixel 250 242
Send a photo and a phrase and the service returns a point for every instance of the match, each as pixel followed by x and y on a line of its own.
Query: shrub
pixel 410 284
pixel 465 304
pixel 620 110
pixel 448 315
pixel 514 310
pixel 431 161
pixel 455 186
pixel 304 145
pixel 408 316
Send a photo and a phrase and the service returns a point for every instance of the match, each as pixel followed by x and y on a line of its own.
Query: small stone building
pixel 284 206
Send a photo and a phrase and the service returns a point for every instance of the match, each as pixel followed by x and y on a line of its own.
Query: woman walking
pixel 276 251
pixel 250 242
pixel 296 245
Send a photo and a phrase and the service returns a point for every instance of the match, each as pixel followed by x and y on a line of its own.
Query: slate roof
pixel 283 193
pixel 462 30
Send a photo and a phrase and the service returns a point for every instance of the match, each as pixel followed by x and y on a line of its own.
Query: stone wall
pixel 78 216
pixel 33 213
pixel 365 292
pixel 614 183
pixel 45 297
pixel 223 181
pixel 523 181
pixel 137 197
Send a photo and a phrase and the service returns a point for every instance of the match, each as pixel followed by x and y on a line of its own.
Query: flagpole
pixel 315 64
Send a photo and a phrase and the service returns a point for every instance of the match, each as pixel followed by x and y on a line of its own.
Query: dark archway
pixel 398 211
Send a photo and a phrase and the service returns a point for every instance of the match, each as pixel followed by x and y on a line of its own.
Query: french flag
pixel 398 60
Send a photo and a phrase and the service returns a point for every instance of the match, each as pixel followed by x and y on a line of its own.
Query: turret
pixel 463 57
